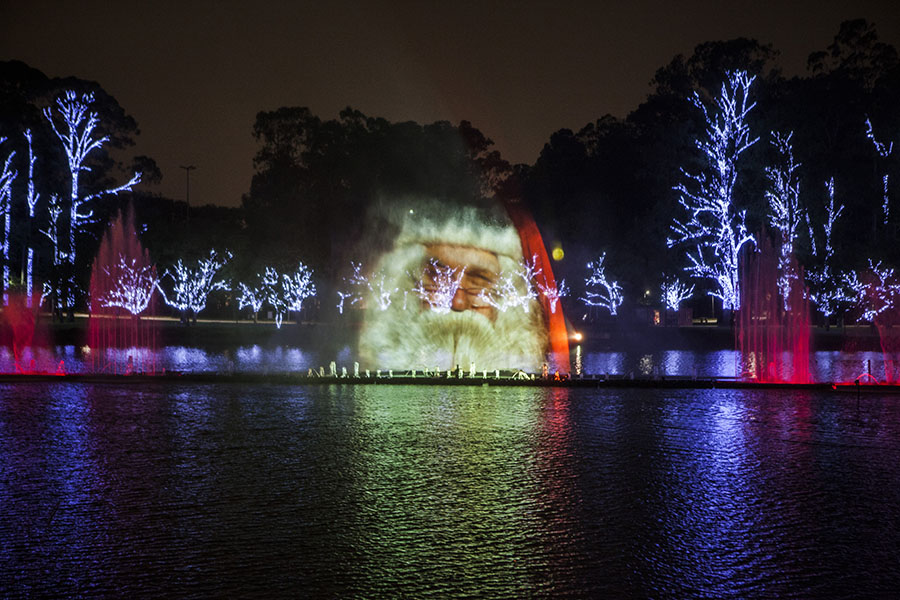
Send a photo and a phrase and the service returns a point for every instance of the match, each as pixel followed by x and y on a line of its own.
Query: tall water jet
pixel 122 339
pixel 17 328
pixel 772 335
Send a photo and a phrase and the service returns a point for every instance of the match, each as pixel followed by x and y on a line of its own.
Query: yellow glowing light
pixel 577 337
pixel 558 253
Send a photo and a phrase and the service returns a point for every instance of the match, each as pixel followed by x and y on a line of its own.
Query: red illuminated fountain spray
pixel 772 335
pixel 122 339
pixel 19 319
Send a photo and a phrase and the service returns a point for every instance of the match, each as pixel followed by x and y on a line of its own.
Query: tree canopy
pixel 606 187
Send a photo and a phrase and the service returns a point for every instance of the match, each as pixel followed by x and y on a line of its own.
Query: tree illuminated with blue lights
pixel 133 284
pixel 674 292
pixel 785 212
pixel 715 231
pixel 884 151
pixel 31 200
pixel 191 286
pixel 7 176
pixel 827 290
pixel 74 126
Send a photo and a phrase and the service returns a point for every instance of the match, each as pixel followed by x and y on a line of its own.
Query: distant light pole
pixel 187 195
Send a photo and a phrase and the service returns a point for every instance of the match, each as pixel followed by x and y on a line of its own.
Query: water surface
pixel 389 491
pixel 825 366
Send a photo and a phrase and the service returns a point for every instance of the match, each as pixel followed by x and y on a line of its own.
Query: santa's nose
pixel 460 301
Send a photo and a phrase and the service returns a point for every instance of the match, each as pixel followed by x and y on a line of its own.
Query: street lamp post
pixel 187 195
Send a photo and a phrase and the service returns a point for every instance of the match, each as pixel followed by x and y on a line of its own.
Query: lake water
pixel 402 491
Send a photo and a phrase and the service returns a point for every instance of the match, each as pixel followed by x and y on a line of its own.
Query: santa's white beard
pixel 407 335
pixel 420 338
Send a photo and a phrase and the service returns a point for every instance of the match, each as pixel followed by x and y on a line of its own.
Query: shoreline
pixel 505 380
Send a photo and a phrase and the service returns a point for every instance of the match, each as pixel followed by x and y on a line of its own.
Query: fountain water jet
pixel 18 323
pixel 122 339
pixel 773 342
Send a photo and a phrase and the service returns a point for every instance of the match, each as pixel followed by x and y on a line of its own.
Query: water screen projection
pixel 456 285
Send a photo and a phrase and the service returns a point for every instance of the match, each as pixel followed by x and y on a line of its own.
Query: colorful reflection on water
pixel 825 366
pixel 387 491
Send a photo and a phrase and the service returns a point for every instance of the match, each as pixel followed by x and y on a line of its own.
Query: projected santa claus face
pixel 451 272
pixel 478 270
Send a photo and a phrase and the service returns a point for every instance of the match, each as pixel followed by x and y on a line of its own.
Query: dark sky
pixel 194 74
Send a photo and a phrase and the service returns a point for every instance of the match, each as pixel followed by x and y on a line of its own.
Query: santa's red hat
pixel 533 245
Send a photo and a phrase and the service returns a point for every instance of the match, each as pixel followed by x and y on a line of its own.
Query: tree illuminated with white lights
pixel 876 292
pixel 600 290
pixel 674 292
pixel 884 151
pixel 190 286
pixel 7 176
pixel 438 286
pixel 508 293
pixel 74 125
pixel 133 284
pixel 31 200
pixel 827 289
pixel 785 213
pixel 374 287
pixel 286 292
pixel 252 297
pixel 552 293
pixel 715 231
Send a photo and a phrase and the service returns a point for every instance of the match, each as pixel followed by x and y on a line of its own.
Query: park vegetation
pixel 809 165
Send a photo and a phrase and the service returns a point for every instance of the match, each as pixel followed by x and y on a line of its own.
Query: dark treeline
pixel 609 186
pixel 316 179
pixel 606 187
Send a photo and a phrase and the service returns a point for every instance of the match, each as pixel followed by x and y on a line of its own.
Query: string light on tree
pixel 439 285
pixel 286 292
pixel 884 151
pixel 133 285
pixel 826 290
pixel 876 292
pixel 31 200
pixel 252 297
pixel 7 176
pixel 674 292
pixel 54 212
pixel 513 290
pixel 75 132
pixel 192 285
pixel 528 272
pixel 600 291
pixel 272 295
pixel 297 286
pixel 376 285
pixel 785 213
pixel 553 292
pixel 47 292
pixel 716 231
pixel 344 296
pixel 357 280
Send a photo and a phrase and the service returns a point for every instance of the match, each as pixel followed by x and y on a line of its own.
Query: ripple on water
pixel 383 491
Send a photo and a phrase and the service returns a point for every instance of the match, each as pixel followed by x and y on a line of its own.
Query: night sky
pixel 195 74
